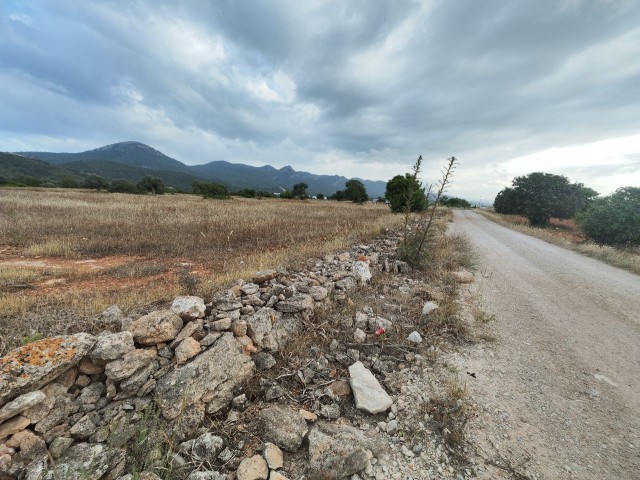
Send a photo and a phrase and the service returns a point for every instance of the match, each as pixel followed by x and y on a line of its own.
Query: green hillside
pixel 19 168
pixel 112 170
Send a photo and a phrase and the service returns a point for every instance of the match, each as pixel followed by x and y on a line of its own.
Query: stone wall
pixel 70 404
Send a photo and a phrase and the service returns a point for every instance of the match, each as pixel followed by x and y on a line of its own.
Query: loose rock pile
pixel 70 405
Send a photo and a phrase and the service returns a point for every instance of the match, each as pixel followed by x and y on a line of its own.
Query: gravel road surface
pixel 558 391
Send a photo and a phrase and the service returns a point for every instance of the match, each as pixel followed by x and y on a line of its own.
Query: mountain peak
pixel 128 145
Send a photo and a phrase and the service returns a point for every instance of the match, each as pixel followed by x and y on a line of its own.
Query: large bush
pixel 615 219
pixel 405 189
pixel 540 196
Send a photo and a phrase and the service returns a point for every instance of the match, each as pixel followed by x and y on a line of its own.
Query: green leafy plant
pixel 540 196
pixel 614 219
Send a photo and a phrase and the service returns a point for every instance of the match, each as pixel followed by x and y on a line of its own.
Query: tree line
pixel 613 219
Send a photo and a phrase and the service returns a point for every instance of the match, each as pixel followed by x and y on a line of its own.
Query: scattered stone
pixel 273 456
pixel 221 325
pixel 283 427
pixel 276 476
pixel 38 363
pixel 318 293
pixel 187 349
pixel 407 453
pixel 157 327
pixel 307 415
pixel 429 307
pixel 260 324
pixel 192 329
pixel 361 272
pixel 210 339
pixel 206 475
pixel 87 367
pixel 361 320
pixel 264 276
pixel 14 425
pixel 20 404
pixel 392 426
pixel 415 337
pixel 250 288
pixel 462 276
pixel 90 461
pixel 377 323
pixel 31 445
pixel 132 361
pixel 340 388
pixel 359 336
pixel 331 411
pixel 367 392
pixel 59 446
pixel 112 315
pixel 205 448
pixel 346 283
pixel 92 393
pixel 83 429
pixel 264 361
pixel 210 377
pixel 296 303
pixel 112 346
pixel 337 451
pixel 188 307
pixel 254 468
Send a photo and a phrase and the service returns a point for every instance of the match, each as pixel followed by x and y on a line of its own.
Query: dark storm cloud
pixel 322 83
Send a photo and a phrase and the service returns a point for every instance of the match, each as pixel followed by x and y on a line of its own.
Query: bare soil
pixel 558 391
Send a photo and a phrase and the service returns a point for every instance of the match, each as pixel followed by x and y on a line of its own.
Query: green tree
pixel 403 189
pixel 151 184
pixel 614 219
pixel 355 191
pixel 210 190
pixel 300 190
pixel 320 196
pixel 338 195
pixel 454 202
pixel 69 182
pixel 95 182
pixel 123 186
pixel 507 201
pixel 540 196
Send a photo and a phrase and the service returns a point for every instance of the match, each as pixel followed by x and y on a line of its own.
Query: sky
pixel 356 88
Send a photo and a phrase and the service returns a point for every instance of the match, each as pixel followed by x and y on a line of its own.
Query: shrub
pixel 540 196
pixel 615 219
pixel 405 190
pixel 150 184
pixel 123 186
pixel 210 190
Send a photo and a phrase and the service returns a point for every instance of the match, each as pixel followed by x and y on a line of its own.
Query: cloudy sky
pixel 353 87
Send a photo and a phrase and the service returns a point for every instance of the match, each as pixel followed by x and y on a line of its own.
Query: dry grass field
pixel 67 255
pixel 567 234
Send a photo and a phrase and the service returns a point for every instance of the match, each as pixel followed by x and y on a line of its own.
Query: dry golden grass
pixel 627 259
pixel 148 249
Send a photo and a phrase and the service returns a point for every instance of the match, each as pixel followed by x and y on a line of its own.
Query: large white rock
pixel 367 391
pixel 361 271
pixel 211 377
pixel 429 307
pixel 188 307
pixel 112 346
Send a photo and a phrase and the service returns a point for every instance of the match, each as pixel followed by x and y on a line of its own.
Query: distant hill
pixel 134 154
pixel 132 160
pixel 14 166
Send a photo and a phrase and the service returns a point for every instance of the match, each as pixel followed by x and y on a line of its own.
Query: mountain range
pixel 133 160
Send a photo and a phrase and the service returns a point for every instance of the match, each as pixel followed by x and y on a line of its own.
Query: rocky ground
pixel 343 370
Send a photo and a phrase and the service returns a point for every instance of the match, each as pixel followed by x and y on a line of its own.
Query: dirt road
pixel 559 389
